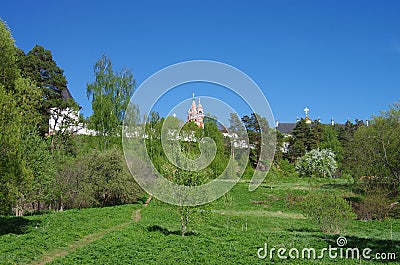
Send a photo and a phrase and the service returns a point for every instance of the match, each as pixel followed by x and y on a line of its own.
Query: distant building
pixel 196 113
pixel 287 128
pixel 66 120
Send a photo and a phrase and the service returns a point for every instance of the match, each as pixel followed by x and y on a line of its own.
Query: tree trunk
pixel 61 206
pixel 183 226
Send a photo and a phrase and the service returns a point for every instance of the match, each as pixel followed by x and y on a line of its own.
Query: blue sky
pixel 339 58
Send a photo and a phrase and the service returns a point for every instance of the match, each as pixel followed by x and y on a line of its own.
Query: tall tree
pixel 8 57
pixel 329 140
pixel 110 93
pixel 261 139
pixel 10 122
pixel 24 158
pixel 39 66
pixel 302 140
pixel 377 148
pixel 236 126
pixel 346 138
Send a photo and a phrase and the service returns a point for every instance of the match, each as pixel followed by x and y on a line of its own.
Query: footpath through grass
pixel 228 231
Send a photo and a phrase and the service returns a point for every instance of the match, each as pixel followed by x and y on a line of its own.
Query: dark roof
pixel 285 127
pixel 65 94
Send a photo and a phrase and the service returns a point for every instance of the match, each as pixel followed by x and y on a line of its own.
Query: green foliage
pixel 236 126
pixel 346 138
pixel 110 93
pixel 330 211
pixel 37 185
pixel 8 58
pixel 39 66
pixel 261 140
pixel 10 122
pixel 303 140
pixel 317 163
pixel 376 148
pixel 232 232
pixel 286 168
pixel 98 179
pixel 329 140
pixel 29 101
pixel 28 169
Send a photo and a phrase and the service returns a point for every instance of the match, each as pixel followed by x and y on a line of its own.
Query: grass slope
pixel 228 231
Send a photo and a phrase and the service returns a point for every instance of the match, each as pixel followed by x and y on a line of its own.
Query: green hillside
pixel 229 231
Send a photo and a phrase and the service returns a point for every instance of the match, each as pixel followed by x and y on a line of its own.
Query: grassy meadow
pixel 227 231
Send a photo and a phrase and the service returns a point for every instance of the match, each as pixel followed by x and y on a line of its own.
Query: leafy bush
pixel 287 168
pixel 330 211
pixel 317 163
pixel 98 179
pixel 376 205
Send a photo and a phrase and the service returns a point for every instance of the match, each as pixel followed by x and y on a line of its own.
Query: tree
pixel 175 158
pixel 38 180
pixel 23 159
pixel 10 121
pixel 260 138
pixel 302 140
pixel 222 156
pixel 376 148
pixel 29 101
pixel 346 138
pixel 329 140
pixel 39 66
pixel 8 58
pixel 236 126
pixel 110 93
pixel 317 163
pixel 27 175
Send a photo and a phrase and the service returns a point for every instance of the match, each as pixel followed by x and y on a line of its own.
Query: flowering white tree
pixel 317 163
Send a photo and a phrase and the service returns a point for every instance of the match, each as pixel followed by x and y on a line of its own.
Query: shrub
pixel 329 210
pixel 287 168
pixel 317 163
pixel 98 179
pixel 376 205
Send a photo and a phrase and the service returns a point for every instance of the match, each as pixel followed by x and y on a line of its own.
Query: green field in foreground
pixel 228 231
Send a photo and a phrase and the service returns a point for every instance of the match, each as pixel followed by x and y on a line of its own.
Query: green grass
pixel 228 231
pixel 36 235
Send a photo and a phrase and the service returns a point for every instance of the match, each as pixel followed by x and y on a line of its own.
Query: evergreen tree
pixel 301 140
pixel 39 66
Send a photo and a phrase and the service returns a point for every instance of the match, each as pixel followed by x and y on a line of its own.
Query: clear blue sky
pixel 339 58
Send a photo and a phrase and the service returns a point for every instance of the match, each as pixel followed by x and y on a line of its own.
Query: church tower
pixel 196 113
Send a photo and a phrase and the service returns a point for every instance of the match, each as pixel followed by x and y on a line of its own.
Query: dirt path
pixel 86 240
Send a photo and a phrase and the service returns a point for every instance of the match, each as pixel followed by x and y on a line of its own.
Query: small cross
pixel 306 110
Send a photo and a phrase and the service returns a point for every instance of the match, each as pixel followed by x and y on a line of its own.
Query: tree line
pixel 62 170
pixel 42 171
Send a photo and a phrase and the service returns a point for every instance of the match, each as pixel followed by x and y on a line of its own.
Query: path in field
pixel 86 240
